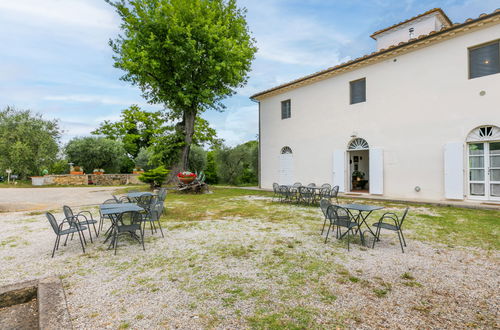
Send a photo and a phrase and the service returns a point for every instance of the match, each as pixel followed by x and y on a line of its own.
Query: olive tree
pixel 96 153
pixel 28 143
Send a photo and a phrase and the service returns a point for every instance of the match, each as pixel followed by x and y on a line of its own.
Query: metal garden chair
pixel 297 184
pixel 276 191
pixel 326 185
pixel 324 204
pixel 162 194
pixel 306 194
pixel 73 227
pixel 311 185
pixel 102 217
pixel 128 223
pixel 153 216
pixel 68 213
pixel 397 227
pixel 340 217
pixel 146 201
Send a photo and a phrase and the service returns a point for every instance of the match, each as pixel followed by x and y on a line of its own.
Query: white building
pixel 419 117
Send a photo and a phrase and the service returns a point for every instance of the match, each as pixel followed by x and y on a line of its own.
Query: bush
pixel 197 159
pixel 155 177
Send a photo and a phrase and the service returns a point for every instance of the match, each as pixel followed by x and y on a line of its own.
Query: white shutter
pixel 286 169
pixel 376 171
pixel 339 169
pixel 454 170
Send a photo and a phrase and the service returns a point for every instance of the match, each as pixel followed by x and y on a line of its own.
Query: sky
pixel 55 58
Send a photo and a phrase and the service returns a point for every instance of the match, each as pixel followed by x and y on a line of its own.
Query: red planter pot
pixel 187 180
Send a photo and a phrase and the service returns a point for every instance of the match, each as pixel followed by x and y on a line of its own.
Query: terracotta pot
pixel 76 173
pixel 98 173
pixel 137 172
pixel 187 180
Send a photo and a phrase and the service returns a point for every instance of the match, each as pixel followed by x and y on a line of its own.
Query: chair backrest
pixel 284 190
pixel 324 192
pixel 335 191
pixel 297 184
pixel 53 222
pixel 324 204
pixel 403 217
pixel 276 187
pixel 68 212
pixel 110 201
pixel 326 185
pixel 155 211
pixel 306 191
pixel 124 199
pixel 144 200
pixel 116 198
pixel 338 215
pixel 311 185
pixel 162 194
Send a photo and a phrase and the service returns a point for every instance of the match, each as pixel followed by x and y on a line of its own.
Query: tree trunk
pixel 189 118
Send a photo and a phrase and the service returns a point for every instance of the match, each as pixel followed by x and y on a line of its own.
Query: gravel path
pixel 239 273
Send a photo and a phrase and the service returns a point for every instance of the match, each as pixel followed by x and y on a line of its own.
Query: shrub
pixel 155 177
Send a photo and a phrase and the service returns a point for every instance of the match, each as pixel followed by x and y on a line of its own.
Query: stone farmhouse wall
pixel 83 180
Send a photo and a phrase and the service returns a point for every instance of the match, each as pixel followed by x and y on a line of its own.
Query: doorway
pixel 484 170
pixel 359 166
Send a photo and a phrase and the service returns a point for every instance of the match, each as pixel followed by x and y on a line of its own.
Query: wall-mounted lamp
pixel 417 188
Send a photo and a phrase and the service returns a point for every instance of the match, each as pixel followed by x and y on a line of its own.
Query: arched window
pixel 484 133
pixel 286 150
pixel 358 144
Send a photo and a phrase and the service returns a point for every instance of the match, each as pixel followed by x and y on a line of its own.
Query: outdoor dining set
pixel 128 214
pixel 351 218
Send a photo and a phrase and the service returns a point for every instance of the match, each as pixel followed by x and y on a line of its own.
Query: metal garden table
pixel 113 211
pixel 359 217
pixel 136 195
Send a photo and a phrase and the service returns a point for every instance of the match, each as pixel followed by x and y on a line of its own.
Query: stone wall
pixel 83 180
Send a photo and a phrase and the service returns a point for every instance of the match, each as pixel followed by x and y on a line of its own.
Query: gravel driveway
pixel 30 199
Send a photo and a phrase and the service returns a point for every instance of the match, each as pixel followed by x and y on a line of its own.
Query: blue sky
pixel 55 57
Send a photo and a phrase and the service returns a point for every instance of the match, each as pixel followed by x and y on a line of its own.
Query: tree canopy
pixel 185 54
pixel 136 129
pixel 96 153
pixel 28 143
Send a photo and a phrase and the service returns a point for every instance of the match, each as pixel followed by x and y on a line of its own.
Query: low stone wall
pixel 86 179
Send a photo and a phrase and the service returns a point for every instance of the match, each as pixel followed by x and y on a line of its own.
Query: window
pixel 484 60
pixel 358 91
pixel 286 111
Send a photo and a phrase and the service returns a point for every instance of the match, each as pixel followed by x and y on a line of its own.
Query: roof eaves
pixel 392 48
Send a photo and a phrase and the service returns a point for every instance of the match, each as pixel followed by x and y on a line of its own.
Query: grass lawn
pixel 235 259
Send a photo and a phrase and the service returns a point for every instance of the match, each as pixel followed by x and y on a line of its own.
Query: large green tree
pixel 96 153
pixel 28 143
pixel 188 55
pixel 238 165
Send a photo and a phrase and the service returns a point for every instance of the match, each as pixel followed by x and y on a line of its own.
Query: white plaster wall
pixel 414 107
pixel 422 26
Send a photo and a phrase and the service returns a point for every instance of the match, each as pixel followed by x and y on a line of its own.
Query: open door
pixel 339 169
pixel 376 171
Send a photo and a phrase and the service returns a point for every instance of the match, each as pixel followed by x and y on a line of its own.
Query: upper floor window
pixel 286 110
pixel 484 60
pixel 358 91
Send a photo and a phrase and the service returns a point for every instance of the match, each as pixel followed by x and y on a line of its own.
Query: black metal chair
pixel 297 184
pixel 340 217
pixel 276 191
pixel 146 201
pixel 128 223
pixel 311 185
pixel 306 195
pixel 73 227
pixel 326 185
pixel 397 227
pixel 324 204
pixel 68 213
pixel 153 216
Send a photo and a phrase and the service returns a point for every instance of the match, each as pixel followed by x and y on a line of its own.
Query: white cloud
pixel 240 125
pixel 102 99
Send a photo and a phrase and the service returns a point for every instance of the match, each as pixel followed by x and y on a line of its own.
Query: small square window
pixel 484 60
pixel 286 111
pixel 358 91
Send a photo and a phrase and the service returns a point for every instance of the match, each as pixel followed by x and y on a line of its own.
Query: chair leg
pixel 377 237
pixel 66 240
pixel 400 241
pixel 348 239
pixel 80 234
pixel 96 232
pixel 161 230
pixel 90 233
pixel 55 244
pixel 328 232
pixel 151 226
pixel 142 240
pixel 324 224
pixel 115 240
pixel 404 242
